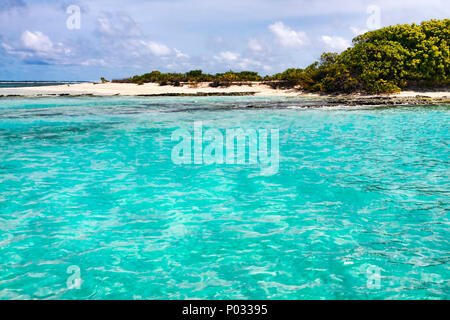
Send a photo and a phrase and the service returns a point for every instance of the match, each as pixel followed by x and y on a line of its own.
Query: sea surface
pixel 26 84
pixel 92 205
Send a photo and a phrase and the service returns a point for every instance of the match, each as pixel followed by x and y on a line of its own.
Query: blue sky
pixel 119 38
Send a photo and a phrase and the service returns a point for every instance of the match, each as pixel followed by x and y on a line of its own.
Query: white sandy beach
pixel 128 89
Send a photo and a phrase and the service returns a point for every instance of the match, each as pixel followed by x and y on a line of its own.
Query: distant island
pixel 387 60
pixel 397 65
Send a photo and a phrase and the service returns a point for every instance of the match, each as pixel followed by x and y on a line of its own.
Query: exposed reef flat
pixel 386 100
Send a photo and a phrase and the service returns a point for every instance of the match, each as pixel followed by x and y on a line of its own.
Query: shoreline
pixel 203 90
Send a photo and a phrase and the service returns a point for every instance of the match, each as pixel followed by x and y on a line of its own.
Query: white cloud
pixel 335 43
pixel 140 48
pixel 180 54
pixel 8 48
pixel 118 25
pixel 37 41
pixel 254 45
pixel 104 26
pixel 288 37
pixel 357 31
pixel 247 63
pixel 227 56
pixel 156 48
pixel 130 26
pixel 237 61
pixel 36 46
pixel 13 51
pixel 94 62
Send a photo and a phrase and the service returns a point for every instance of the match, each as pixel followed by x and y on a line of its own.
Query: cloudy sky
pixel 49 40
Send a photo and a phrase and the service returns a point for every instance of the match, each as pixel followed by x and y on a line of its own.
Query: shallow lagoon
pixel 359 208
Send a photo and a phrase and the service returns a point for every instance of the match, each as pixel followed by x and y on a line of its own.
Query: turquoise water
pixel 358 210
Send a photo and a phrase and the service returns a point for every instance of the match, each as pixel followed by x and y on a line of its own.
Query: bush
pixel 382 86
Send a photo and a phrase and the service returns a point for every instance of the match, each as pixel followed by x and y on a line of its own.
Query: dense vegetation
pixel 385 60
pixel 194 76
pixel 381 61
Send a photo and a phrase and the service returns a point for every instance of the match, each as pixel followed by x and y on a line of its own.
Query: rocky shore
pixel 382 100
